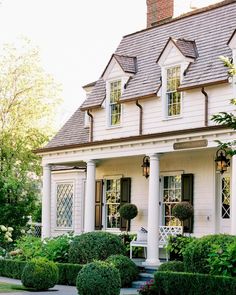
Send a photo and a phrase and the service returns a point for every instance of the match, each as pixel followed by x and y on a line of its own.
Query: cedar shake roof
pixel 210 28
pixel 73 132
pixel 127 63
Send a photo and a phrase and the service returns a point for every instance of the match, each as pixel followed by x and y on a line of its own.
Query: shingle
pixel 187 47
pixel 72 132
pixel 127 63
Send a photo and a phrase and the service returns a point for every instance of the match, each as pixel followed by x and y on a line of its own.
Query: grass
pixel 8 288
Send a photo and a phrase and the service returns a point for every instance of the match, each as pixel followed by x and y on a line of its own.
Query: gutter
pixel 140 117
pixel 206 106
pixel 91 126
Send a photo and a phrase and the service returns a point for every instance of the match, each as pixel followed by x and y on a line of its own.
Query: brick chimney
pixel 159 10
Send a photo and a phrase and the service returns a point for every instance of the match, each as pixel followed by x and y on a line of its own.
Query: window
pixel 115 107
pixel 64 204
pixel 112 203
pixel 173 97
pixel 171 196
pixel 225 197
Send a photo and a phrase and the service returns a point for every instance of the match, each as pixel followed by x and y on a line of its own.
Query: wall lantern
pixel 146 166
pixel 222 162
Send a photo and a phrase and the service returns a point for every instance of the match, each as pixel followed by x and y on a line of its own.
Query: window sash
pixel 64 194
pixel 173 97
pixel 115 107
pixel 112 206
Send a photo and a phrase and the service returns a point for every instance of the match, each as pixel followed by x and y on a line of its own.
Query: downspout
pixel 91 126
pixel 140 117
pixel 206 106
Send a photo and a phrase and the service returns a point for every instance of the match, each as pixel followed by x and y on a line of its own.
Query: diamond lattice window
pixel 64 204
pixel 225 197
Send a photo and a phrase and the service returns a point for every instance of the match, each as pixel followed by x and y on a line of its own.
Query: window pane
pixel 225 197
pixel 172 195
pixel 64 205
pixel 115 107
pixel 173 97
pixel 113 203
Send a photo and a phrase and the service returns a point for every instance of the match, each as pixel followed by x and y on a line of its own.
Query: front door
pixel 223 203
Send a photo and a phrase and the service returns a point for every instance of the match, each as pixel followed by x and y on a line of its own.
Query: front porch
pixel 97 193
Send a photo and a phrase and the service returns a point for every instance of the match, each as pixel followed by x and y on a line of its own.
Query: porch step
pixel 138 284
pixel 145 276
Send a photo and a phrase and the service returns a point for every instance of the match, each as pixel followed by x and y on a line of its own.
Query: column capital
pixel 154 156
pixel 46 166
pixel 91 162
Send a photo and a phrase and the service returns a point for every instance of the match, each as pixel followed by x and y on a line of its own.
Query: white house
pixel 155 98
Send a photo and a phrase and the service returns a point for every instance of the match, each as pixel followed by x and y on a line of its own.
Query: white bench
pixel 164 233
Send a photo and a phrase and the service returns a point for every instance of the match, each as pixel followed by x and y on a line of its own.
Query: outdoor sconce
pixel 146 166
pixel 221 161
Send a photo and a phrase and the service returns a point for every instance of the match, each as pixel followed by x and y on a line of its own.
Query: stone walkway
pixel 57 290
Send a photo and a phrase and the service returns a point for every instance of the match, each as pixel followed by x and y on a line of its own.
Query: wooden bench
pixel 164 233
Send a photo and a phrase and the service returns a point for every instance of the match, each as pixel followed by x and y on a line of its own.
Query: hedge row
pixel 180 283
pixel 67 272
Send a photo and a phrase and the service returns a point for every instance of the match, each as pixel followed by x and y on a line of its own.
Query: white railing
pixel 164 233
pixel 34 229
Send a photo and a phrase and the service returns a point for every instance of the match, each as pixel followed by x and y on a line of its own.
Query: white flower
pixel 10 229
pixel 22 231
pixel 3 228
pixel 9 240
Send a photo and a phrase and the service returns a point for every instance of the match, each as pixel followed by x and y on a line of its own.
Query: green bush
pixel 182 210
pixel 177 266
pixel 68 273
pixel 40 274
pixel 197 252
pixel 179 283
pixel 94 246
pixel 126 267
pixel 29 247
pixel 128 211
pixel 98 278
pixel 176 246
pixel 56 249
pixel 11 268
pixel 223 262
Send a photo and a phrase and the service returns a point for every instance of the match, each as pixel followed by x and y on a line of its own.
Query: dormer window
pixel 173 97
pixel 115 107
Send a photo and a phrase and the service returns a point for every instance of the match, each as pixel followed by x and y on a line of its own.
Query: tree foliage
pixel 28 99
pixel 224 118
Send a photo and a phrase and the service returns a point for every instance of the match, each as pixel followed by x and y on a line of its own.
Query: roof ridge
pixel 185 15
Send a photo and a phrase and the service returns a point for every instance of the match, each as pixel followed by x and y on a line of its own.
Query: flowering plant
pixel 5 239
pixel 148 288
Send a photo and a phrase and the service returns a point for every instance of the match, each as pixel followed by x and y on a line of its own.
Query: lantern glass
pixel 146 167
pixel 221 161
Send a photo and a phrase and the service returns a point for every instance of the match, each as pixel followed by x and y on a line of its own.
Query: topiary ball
pixel 92 246
pixel 40 274
pixel 128 211
pixel 127 268
pixel 98 278
pixel 182 211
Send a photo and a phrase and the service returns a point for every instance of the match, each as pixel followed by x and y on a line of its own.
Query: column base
pixel 153 263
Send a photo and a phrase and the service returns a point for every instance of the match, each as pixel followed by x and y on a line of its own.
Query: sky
pixel 76 37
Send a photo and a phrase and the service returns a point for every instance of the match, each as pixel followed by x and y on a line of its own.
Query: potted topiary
pixel 182 211
pixel 128 211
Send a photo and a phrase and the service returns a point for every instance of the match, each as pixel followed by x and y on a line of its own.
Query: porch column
pixel 46 202
pixel 233 196
pixel 89 212
pixel 153 212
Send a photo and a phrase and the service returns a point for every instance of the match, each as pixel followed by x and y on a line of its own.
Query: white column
pixel 89 212
pixel 233 196
pixel 153 212
pixel 46 202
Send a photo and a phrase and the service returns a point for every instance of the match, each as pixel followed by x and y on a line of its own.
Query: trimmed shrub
pixel 126 267
pixel 12 268
pixel 182 211
pixel 128 211
pixel 177 245
pixel 68 273
pixel 40 274
pixel 95 246
pixel 197 252
pixel 98 278
pixel 179 283
pixel 28 247
pixel 177 266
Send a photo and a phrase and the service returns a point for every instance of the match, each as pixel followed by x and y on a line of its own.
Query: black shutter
pixel 187 196
pixel 125 193
pixel 98 204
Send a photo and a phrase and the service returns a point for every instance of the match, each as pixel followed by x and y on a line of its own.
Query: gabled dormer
pixel 116 75
pixel 174 60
